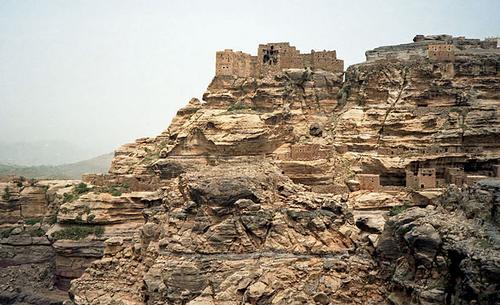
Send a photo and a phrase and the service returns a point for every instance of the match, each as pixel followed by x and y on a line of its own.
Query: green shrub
pixel 238 106
pixel 115 190
pixel 69 197
pixel 78 232
pixel 81 188
pixel 38 233
pixel 6 194
pixel 31 221
pixel 399 209
pixel 5 233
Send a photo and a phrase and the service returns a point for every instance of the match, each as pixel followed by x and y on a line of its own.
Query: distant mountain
pixel 42 153
pixel 98 164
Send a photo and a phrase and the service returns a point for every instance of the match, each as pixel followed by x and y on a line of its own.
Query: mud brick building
pixel 272 58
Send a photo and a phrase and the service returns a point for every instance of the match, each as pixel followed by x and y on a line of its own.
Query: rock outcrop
pixel 449 254
pixel 296 188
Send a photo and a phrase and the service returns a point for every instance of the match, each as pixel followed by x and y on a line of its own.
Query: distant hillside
pixel 50 152
pixel 98 164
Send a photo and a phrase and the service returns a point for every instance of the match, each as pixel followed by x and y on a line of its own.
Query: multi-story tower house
pixel 272 58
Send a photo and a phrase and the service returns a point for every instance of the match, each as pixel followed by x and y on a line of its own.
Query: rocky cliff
pixel 255 195
pixel 445 254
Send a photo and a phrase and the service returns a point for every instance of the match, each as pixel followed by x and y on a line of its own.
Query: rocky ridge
pixel 252 197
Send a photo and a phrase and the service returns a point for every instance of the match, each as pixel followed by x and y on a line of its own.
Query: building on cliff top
pixel 434 47
pixel 272 58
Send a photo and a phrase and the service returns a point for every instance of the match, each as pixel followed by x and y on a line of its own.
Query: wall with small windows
pixel 441 52
pixel 272 58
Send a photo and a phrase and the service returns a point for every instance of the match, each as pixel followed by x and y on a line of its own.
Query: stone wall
pixel 326 60
pixel 441 52
pixel 369 182
pixel 238 63
pixel 433 47
pixel 271 59
pixel 427 177
pixel 307 152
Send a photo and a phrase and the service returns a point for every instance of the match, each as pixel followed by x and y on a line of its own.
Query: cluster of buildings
pixel 272 58
pixel 425 178
pixel 442 48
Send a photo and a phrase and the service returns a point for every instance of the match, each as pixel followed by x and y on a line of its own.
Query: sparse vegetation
pixel 399 209
pixel 64 210
pixel 78 232
pixel 150 156
pixel 68 197
pixel 5 233
pixel 238 106
pixel 80 188
pixel 405 229
pixel 6 194
pixel 31 221
pixel 116 189
pixel 37 233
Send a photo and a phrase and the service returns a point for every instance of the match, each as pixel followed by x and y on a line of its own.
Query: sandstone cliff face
pixel 251 197
pixel 236 233
pixel 398 113
pixel 52 230
pixel 284 118
pixel 27 259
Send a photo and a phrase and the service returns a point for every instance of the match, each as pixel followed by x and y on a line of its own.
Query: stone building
pixel 238 63
pixel 441 52
pixel 455 176
pixel 369 182
pixel 272 58
pixel 472 179
pixel 441 48
pixel 425 178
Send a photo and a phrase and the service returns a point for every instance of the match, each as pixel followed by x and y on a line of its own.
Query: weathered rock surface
pixel 238 233
pixel 448 254
pixel 253 196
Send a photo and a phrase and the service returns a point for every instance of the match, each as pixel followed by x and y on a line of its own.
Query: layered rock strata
pixel 277 190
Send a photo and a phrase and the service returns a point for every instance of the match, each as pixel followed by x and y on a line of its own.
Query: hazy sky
pixel 102 73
